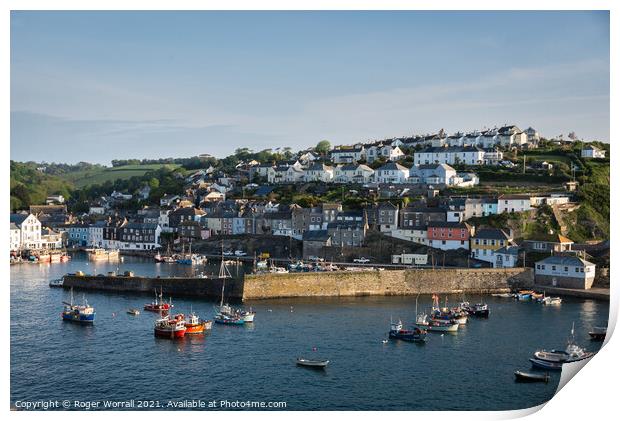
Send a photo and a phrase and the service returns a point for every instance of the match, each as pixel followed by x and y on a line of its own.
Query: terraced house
pixel 487 241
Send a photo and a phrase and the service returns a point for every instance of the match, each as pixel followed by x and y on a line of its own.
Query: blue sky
pixel 94 86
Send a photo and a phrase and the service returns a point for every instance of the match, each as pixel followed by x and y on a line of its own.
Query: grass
pixel 86 178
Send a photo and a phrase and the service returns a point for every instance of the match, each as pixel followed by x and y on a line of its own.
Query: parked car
pixel 315 259
pixel 240 253
pixel 361 260
pixel 227 253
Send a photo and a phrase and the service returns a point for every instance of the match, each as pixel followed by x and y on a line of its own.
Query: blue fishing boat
pixel 228 320
pixel 80 313
pixel 547 365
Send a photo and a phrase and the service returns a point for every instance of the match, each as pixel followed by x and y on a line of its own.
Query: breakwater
pixel 386 282
pixel 176 286
pixel 316 284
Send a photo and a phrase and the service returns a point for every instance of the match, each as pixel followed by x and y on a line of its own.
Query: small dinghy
pixel 312 363
pixel 598 333
pixel 133 311
pixel 527 376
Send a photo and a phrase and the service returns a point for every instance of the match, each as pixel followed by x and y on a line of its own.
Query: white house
pixel 591 151
pixel 348 155
pixel 95 234
pixel 352 173
pixel 565 271
pixel 388 151
pixel 30 230
pixel 506 257
pixel 511 136
pixel 319 172
pixel 15 237
pixel 435 174
pixel 513 203
pixel 392 172
pixel 449 155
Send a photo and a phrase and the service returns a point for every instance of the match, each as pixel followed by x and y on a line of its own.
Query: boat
pixel 195 325
pixel 504 295
pixel 312 363
pixel 547 365
pixel 415 335
pixel 456 315
pixel 528 376
pixel 479 310
pixel 537 297
pixel 57 283
pixel 598 333
pixel 65 258
pixel 78 313
pixel 171 328
pixel 551 301
pixel 99 254
pixel 524 295
pixel 133 311
pixel 158 305
pixel 55 258
pixel 439 325
pixel 572 353
pixel 228 320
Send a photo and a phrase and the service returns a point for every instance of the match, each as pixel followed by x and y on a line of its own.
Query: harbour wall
pixel 195 287
pixel 386 282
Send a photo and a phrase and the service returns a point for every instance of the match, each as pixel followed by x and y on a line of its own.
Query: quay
pixel 593 293
pixel 316 284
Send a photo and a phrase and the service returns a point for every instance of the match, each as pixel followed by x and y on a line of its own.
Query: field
pixel 86 178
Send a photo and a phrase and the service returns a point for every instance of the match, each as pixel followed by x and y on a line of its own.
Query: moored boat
pixel 228 320
pixel 312 363
pixel 98 254
pixel 414 335
pixel 195 325
pixel 80 313
pixel 554 357
pixel 57 283
pixel 479 310
pixel 598 333
pixel 438 325
pixel 547 365
pixel 171 328
pixel 551 301
pixel 158 305
pixel 133 311
pixel 528 376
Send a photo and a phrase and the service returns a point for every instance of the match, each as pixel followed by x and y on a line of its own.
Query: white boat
pixel 99 254
pixel 551 301
pixel 312 363
pixel 438 325
pixel 573 352
pixel 504 295
pixel 57 282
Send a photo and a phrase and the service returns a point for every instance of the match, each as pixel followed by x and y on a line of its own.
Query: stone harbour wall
pixel 386 282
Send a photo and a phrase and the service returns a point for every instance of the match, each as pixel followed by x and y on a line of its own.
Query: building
pixel 511 136
pixel 387 217
pixel 592 151
pixel 95 234
pixel 449 235
pixel 51 240
pixel 565 271
pixel 513 203
pixel 77 235
pixel 319 172
pixel 435 174
pixel 469 155
pixel 314 242
pixel 506 257
pixel 29 230
pixel 410 259
pixel 353 173
pixel 548 243
pixel 486 242
pixel 348 155
pixel 139 236
pixel 347 233
pixel 392 173
pixel 15 237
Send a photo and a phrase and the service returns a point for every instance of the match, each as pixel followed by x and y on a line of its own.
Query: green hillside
pixel 93 176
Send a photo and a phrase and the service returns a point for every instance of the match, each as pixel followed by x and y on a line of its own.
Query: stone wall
pixel 386 282
pixel 198 287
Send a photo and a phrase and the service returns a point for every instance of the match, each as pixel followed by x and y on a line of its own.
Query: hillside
pixel 85 178
pixel 30 186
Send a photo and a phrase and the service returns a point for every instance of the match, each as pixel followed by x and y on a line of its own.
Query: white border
pixel 590 395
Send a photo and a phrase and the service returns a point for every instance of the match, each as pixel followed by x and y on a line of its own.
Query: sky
pixel 97 86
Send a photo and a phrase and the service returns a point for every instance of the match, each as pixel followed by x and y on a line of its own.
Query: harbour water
pixel 118 359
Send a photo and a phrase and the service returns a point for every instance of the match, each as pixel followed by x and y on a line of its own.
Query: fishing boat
pixel 572 353
pixel 479 310
pixel 547 365
pixel 65 257
pixel 98 254
pixel 82 313
pixel 171 328
pixel 57 283
pixel 528 376
pixel 415 335
pixel 598 333
pixel 159 304
pixel 524 295
pixel 133 311
pixel 195 325
pixel 537 297
pixel 456 315
pixel 421 319
pixel 551 301
pixel 312 363
pixel 228 320
pixel 439 325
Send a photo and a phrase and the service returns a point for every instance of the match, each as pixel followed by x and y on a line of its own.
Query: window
pixel 565 268
pixel 553 267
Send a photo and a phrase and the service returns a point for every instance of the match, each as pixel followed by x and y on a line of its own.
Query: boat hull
pixel 78 318
pixel 523 376
pixel 597 336
pixel 312 363
pixel 547 365
pixel 235 322
pixel 408 336
pixel 169 333
pixel 198 328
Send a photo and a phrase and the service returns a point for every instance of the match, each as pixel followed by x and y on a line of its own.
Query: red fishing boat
pixel 170 328
pixel 158 305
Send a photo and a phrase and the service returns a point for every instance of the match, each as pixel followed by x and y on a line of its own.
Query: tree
pixel 323 147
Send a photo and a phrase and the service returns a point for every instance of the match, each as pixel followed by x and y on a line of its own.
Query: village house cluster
pixel 434 221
